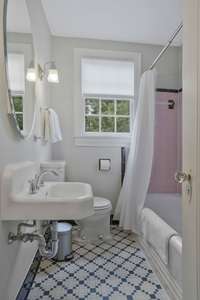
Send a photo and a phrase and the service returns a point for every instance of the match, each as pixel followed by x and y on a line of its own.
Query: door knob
pixel 181 177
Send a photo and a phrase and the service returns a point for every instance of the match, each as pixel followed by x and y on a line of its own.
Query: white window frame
pixel 29 93
pixel 100 115
pixel 83 138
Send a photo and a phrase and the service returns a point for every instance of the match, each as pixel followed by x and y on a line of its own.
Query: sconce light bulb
pixel 53 76
pixel 31 75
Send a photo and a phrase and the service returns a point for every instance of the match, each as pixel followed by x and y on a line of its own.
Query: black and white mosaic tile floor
pixel 116 270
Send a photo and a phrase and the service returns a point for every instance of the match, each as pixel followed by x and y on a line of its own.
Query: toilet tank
pixel 58 165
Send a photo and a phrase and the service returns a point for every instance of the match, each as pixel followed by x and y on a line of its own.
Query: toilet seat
pixel 101 204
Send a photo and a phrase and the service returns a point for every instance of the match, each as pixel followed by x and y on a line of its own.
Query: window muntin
pixel 17 101
pixel 107 115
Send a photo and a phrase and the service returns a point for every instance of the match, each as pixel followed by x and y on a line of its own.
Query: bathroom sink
pixel 54 201
pixel 68 190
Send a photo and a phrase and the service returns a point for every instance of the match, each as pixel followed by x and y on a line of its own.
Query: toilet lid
pixel 101 203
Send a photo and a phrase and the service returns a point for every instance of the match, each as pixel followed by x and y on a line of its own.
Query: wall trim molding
pixel 169 90
pixel 167 280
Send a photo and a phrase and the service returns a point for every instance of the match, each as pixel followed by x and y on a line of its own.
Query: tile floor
pixel 116 270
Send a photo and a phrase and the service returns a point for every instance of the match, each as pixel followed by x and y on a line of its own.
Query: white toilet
pixel 97 226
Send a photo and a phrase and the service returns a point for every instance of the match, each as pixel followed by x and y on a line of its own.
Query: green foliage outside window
pixel 91 124
pixel 107 115
pixel 18 103
pixel 123 107
pixel 107 107
pixel 18 107
pixel 20 120
pixel 91 106
pixel 108 124
pixel 123 125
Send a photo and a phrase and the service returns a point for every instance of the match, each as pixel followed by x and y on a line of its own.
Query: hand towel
pixel 54 127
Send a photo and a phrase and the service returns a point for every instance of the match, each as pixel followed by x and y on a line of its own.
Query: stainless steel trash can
pixel 65 242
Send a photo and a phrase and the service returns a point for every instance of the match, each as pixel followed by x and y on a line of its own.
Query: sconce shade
pixel 31 73
pixel 52 75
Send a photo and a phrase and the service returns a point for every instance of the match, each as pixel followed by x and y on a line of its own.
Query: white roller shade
pixel 16 72
pixel 107 77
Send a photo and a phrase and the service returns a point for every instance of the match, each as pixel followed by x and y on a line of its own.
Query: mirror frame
pixel 11 112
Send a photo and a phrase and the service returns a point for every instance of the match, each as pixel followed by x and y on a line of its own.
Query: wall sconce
pixel 31 73
pixel 50 71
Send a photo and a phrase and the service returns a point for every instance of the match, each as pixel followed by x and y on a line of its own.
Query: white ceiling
pixel 145 21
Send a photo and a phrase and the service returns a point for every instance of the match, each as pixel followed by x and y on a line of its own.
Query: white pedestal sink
pixel 54 201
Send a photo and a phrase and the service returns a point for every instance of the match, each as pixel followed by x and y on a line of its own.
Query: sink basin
pixel 68 190
pixel 54 201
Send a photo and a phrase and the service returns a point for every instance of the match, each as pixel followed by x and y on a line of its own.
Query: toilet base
pixel 95 228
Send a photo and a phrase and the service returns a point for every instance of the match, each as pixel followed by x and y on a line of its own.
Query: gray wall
pixel 82 162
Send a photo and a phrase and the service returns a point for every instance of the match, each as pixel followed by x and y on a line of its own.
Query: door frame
pixel 191 149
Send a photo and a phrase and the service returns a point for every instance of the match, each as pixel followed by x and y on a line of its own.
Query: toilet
pixel 97 226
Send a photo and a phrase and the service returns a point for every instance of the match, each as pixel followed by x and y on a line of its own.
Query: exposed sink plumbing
pixel 36 236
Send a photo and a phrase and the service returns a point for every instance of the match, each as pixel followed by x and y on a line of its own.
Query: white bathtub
pixel 168 208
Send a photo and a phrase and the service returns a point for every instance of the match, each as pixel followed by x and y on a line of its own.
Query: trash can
pixel 64 242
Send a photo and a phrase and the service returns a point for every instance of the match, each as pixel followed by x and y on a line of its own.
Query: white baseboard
pixel 167 280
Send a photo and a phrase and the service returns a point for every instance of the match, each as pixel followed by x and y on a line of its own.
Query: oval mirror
pixel 19 53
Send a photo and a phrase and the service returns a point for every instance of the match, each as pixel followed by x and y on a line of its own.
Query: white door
pixel 191 149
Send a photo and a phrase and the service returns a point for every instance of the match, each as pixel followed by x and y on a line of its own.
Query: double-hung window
pixel 106 93
pixel 16 76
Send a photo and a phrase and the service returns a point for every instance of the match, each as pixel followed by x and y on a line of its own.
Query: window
pixel 112 81
pixel 16 80
pixel 105 94
pixel 17 101
pixel 105 115
pixel 16 72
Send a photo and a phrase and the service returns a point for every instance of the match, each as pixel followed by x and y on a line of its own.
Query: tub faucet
pixel 39 178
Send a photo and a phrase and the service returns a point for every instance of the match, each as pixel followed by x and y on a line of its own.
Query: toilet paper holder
pixel 104 164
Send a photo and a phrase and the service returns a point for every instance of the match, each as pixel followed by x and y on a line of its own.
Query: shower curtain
pixel 139 164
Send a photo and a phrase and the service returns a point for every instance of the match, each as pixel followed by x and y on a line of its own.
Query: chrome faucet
pixel 32 186
pixel 39 178
pixel 37 182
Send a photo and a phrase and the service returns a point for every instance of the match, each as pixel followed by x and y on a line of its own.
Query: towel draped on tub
pixel 157 233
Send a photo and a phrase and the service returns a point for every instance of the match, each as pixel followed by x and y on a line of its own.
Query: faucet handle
pixel 32 186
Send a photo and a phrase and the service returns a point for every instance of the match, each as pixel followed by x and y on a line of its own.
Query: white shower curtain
pixel 139 165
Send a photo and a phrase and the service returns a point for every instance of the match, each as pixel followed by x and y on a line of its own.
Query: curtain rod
pixel 167 46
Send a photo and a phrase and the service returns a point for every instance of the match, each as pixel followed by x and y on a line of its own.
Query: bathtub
pixel 168 208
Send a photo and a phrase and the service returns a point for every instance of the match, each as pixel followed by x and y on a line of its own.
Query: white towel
pixel 157 233
pixel 53 126
pixel 47 135
pixel 38 127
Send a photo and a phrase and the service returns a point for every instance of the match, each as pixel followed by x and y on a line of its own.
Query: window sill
pixel 102 141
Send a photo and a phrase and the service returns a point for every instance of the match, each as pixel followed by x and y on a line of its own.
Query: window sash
pixel 100 115
pixel 18 94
